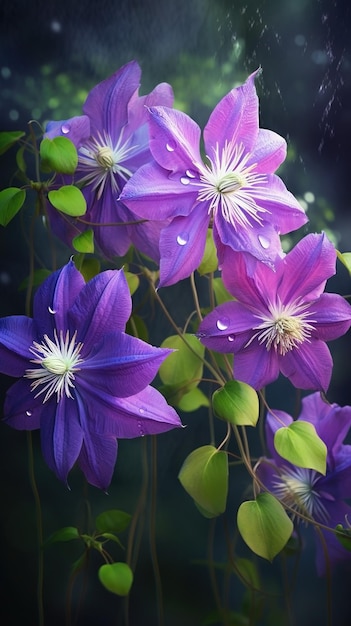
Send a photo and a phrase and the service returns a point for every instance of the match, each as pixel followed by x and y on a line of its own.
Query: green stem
pixel 152 535
pixel 38 512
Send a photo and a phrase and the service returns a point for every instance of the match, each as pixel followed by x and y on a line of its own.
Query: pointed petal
pixel 182 245
pixel 54 298
pixel 256 366
pixel 174 139
pixel 306 268
pixel 77 129
pixel 97 459
pixel 161 95
pixel 62 434
pixel 268 153
pixel 235 118
pixel 325 417
pixel 103 304
pixel 121 365
pixel 22 410
pixel 283 210
pixel 309 366
pixel 152 194
pixel 262 241
pixel 230 319
pixel 16 336
pixel 333 316
pixel 107 103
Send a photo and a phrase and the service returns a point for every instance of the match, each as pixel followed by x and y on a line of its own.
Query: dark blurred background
pixel 51 55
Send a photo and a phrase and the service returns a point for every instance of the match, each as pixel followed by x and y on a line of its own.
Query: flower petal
pixel 103 304
pixel 260 241
pixel 120 365
pixel 62 434
pixel 77 129
pixel 268 153
pixel 333 316
pixel 256 366
pixel 235 118
pixel 97 459
pixel 324 417
pixel 107 103
pixel 309 366
pixel 22 410
pixel 283 210
pixel 16 336
pixel 182 245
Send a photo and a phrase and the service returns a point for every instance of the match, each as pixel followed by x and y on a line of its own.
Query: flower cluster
pixel 85 382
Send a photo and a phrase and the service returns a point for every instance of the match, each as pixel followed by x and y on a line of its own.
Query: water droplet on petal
pixel 191 173
pixel 65 128
pixel 141 411
pixel 52 311
pixel 265 243
pixel 184 180
pixel 182 239
pixel 223 323
pixel 29 413
pixel 141 430
pixel 231 337
pixel 171 145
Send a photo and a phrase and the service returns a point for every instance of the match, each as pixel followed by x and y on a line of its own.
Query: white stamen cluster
pixel 228 183
pixel 296 488
pixel 58 360
pixel 99 161
pixel 285 327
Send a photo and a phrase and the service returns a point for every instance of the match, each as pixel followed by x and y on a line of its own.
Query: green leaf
pixel 137 327
pixel 64 534
pixel 183 368
pixel 220 292
pixel 11 200
pixel 112 537
pixel 38 277
pixel 343 535
pixel 21 164
pixel 204 476
pixel 8 138
pixel 112 521
pixel 193 400
pixel 300 444
pixel 84 242
pixel 58 155
pixel 236 403
pixel 345 258
pixel 209 261
pixel 116 577
pixel 247 572
pixel 87 266
pixel 133 282
pixel 69 200
pixel 264 525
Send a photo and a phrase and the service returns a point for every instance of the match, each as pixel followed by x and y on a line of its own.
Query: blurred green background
pixel 51 55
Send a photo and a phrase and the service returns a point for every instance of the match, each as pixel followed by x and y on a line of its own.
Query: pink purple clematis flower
pixel 280 320
pixel 112 139
pixel 236 191
pixel 320 498
pixel 82 380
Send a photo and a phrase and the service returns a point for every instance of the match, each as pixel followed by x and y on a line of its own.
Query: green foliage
pixel 345 258
pixel 182 371
pixel 69 200
pixel 343 535
pixel 116 577
pixel 112 521
pixel 9 138
pixel 236 403
pixel 209 261
pixel 58 155
pixel 11 201
pixel 264 525
pixel 84 242
pixel 63 534
pixel 300 444
pixel 204 476
pixel 220 292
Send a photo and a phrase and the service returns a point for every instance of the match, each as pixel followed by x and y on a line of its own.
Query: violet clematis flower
pixel 83 381
pixel 236 191
pixel 318 497
pixel 116 146
pixel 280 319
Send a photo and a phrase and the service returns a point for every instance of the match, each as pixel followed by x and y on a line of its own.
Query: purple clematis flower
pixel 307 491
pixel 236 191
pixel 112 138
pixel 280 320
pixel 83 381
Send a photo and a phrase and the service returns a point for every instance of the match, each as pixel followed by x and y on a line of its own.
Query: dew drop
pixel 223 323
pixel 141 411
pixel 191 173
pixel 29 413
pixel 184 180
pixel 65 128
pixel 265 243
pixel 171 145
pixel 52 311
pixel 231 337
pixel 141 430
pixel 182 239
